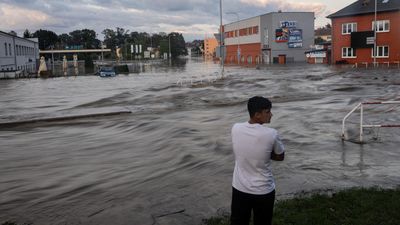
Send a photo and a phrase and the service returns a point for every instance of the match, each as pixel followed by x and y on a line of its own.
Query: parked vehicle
pixel 106 71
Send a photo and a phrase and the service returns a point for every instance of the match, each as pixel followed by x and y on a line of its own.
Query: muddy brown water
pixel 170 161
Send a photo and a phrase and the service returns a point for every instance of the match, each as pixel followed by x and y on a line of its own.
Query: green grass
pixel 350 207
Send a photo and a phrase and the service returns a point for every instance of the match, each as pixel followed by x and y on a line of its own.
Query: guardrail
pixel 362 125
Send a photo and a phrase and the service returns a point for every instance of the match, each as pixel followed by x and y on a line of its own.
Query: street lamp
pixel 169 46
pixel 375 27
pixel 238 38
pixel 221 40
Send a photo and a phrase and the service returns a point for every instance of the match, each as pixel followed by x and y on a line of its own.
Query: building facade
pixel 353 32
pixel 276 37
pixel 18 53
pixel 210 44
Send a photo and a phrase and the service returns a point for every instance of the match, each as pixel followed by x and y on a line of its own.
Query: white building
pixel 277 37
pixel 18 53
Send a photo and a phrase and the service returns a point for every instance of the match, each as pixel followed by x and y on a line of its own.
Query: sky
pixel 195 19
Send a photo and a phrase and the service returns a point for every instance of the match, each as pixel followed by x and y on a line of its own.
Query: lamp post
pixel 375 27
pixel 221 39
pixel 238 38
pixel 169 46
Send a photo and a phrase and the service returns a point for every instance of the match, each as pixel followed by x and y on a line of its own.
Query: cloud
pixel 194 18
pixel 14 17
pixel 318 8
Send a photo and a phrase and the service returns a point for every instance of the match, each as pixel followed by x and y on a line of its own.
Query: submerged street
pixel 170 161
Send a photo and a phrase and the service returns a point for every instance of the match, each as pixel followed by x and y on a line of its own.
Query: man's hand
pixel 276 157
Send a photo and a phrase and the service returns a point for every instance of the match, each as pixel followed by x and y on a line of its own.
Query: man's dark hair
pixel 257 104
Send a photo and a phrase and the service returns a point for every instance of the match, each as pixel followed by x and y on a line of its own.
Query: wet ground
pixel 170 160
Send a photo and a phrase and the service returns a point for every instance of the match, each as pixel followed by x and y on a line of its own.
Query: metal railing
pixel 362 125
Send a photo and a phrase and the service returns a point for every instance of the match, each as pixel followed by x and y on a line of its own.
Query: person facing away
pixel 254 146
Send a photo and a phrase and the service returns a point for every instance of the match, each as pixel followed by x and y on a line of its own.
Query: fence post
pixel 361 122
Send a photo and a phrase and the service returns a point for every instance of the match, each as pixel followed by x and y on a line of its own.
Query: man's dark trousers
pixel 243 203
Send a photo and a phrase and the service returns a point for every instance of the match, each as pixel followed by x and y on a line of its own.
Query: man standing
pixel 254 146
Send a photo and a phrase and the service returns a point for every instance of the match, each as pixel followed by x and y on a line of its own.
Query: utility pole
pixel 238 37
pixel 221 39
pixel 169 46
pixel 375 51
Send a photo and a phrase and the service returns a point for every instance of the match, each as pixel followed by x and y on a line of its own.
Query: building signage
pixel 282 35
pixel 295 38
pixel 288 24
pixel 316 55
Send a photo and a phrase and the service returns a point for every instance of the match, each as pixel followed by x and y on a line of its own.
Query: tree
pixel 109 38
pixel 13 33
pixel 86 38
pixel 178 45
pixel 64 41
pixel 47 39
pixel 27 34
pixel 318 40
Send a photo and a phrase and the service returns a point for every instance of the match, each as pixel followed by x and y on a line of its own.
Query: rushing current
pixel 170 160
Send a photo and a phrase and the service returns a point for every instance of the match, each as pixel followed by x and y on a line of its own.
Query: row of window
pixel 242 32
pixel 382 52
pixel 381 26
pixel 23 50
pixel 243 59
pixel 20 50
pixel 25 67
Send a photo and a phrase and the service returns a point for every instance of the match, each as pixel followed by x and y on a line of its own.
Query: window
pixel 5 47
pixel 381 25
pixel 347 28
pixel 383 52
pixel 348 52
pixel 255 30
pixel 250 30
pixel 9 48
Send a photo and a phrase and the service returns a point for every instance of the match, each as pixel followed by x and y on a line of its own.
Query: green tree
pixel 27 34
pixel 13 33
pixel 318 40
pixel 64 40
pixel 86 38
pixel 115 38
pixel 178 45
pixel 47 39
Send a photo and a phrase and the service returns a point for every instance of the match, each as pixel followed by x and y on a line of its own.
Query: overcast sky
pixel 194 18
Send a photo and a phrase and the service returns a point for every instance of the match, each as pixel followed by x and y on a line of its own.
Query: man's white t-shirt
pixel 252 146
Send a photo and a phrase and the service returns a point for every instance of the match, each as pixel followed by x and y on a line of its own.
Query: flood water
pixel 170 161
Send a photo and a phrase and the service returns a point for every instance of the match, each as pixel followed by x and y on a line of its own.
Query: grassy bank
pixel 351 207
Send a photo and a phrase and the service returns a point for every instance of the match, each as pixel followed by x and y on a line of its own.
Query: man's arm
pixel 278 151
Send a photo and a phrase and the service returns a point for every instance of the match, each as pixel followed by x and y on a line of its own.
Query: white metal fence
pixel 362 125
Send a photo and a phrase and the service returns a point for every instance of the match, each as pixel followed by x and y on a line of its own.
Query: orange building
pixel 353 32
pixel 210 44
